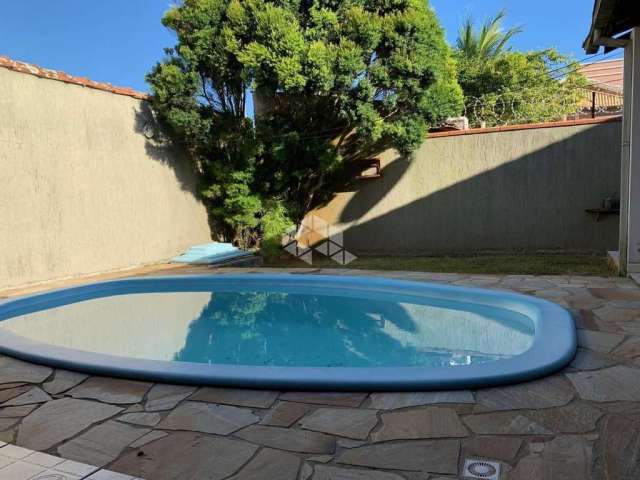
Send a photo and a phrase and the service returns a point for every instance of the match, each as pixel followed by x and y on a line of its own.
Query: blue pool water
pixel 278 328
pixel 263 329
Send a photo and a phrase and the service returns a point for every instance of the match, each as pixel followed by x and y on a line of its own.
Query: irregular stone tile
pixel 625 283
pixel 331 472
pixel 602 342
pixel 13 392
pixel 545 393
pixel 21 411
pixel 35 395
pixel 7 423
pixel 479 281
pixel 621 448
pixel 336 399
pixel 186 456
pixel 8 435
pixel 102 444
pixel 528 468
pixel 536 447
pixel 500 448
pixel 306 471
pixel 285 414
pixel 236 396
pixel 593 281
pixel 13 370
pixel 439 277
pixel 135 408
pixel 166 397
pixel 625 304
pixel 567 457
pixel 586 319
pixel 504 423
pixel 551 294
pixel 435 456
pixel 558 280
pixel 59 420
pixel 610 314
pixel 619 383
pixel 148 419
pixel 111 390
pixel 148 438
pixel 5 386
pixel 631 295
pixel 391 401
pixel 343 422
pixel 288 439
pixel 270 463
pixel 320 458
pixel 208 418
pixel 525 282
pixel 588 360
pixel 582 298
pixel 434 422
pixel 577 417
pixel 631 327
pixel 630 410
pixel 63 381
pixel 629 349
pixel 349 443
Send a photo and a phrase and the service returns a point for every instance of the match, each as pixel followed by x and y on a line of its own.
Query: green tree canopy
pixel 503 86
pixel 487 42
pixel 337 79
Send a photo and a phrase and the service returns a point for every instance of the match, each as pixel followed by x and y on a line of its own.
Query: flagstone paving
pixel 582 423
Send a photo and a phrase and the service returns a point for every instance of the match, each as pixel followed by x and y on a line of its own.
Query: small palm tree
pixel 488 42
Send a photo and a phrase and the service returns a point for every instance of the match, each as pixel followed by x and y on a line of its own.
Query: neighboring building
pixel 616 24
pixel 604 93
pixel 606 75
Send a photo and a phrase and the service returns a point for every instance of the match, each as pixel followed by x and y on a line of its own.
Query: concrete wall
pixel 524 189
pixel 82 190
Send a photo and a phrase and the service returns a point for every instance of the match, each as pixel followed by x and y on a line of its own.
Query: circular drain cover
pixel 482 469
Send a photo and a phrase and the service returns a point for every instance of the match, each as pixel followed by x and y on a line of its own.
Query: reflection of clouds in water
pixel 149 325
pixel 352 349
pixel 440 328
pixel 276 328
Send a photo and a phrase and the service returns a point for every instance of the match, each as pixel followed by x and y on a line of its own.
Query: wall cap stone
pixel 31 69
pixel 527 126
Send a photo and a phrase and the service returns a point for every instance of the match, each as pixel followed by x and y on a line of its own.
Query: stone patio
pixel 581 423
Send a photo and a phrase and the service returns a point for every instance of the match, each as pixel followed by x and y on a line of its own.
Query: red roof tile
pixel 605 75
pixel 16 66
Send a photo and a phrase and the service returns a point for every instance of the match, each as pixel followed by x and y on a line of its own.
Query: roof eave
pixel 610 19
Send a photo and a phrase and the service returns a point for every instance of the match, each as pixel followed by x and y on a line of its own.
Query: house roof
pixel 610 18
pixel 605 75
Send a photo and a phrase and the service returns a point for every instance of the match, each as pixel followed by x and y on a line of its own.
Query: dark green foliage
pixel 336 80
pixel 503 86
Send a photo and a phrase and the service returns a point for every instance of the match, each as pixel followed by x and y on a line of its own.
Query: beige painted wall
pixel 525 189
pixel 82 190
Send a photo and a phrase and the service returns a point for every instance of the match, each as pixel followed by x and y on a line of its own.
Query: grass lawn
pixel 532 263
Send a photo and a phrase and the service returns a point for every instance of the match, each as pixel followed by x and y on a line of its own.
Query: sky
pixel 118 41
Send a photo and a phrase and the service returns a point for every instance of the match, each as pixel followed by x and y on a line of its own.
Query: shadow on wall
pixel 159 147
pixel 523 189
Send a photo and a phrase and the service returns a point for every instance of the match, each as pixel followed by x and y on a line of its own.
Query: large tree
pixel 338 80
pixel 504 86
pixel 486 42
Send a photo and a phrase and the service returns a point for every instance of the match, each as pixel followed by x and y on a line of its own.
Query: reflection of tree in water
pixel 280 329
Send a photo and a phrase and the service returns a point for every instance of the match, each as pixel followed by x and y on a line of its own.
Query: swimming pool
pixel 291 331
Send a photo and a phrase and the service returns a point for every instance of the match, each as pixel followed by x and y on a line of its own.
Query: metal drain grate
pixel 480 468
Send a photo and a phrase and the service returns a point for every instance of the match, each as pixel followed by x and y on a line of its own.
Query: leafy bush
pixel 503 86
pixel 337 81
